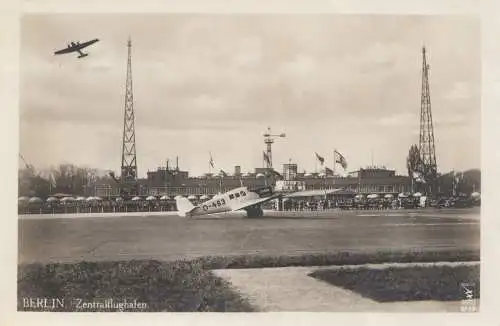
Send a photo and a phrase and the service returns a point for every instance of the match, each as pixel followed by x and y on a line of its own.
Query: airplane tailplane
pixel 184 206
pixel 83 55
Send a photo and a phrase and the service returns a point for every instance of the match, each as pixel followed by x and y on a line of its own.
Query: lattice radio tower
pixel 426 143
pixel 129 158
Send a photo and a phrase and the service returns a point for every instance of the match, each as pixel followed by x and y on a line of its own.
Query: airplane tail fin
pixel 184 206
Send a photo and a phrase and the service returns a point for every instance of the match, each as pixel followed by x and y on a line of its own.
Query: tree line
pixel 79 181
pixel 449 183
pixel 65 178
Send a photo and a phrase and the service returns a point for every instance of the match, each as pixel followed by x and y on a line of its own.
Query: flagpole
pixel 359 180
pixel 334 160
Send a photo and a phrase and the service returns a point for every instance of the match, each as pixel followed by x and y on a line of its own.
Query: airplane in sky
pixel 241 198
pixel 77 47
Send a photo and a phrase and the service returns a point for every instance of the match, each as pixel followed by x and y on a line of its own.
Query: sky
pixel 213 83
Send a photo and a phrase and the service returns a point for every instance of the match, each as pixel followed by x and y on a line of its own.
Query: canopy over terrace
pixel 321 193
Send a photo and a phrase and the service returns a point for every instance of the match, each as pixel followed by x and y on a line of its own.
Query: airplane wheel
pixel 255 212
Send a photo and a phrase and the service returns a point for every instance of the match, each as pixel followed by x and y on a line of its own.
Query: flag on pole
pixel 328 171
pixel 320 159
pixel 266 158
pixel 341 160
pixel 222 173
pixel 418 177
pixel 211 162
pixel 52 180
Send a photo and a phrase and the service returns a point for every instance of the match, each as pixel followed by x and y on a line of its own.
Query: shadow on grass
pixel 440 283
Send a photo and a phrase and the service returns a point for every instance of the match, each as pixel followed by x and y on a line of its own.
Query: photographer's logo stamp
pixel 468 303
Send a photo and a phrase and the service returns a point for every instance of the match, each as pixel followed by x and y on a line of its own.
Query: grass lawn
pixel 162 286
pixel 441 283
pixel 189 285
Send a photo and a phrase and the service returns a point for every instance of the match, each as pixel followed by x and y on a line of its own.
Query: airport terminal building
pixel 173 182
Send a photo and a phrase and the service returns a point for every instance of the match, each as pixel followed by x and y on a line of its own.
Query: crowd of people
pixel 150 204
pixel 375 204
pixel 95 206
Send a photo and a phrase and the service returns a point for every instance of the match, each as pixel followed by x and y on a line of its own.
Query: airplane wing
pixel 85 44
pixel 76 47
pixel 252 202
pixel 67 50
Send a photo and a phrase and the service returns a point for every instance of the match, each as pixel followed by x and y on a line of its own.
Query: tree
pixel 470 181
pixel 25 182
pixel 466 182
pixel 71 179
pixel 413 163
pixel 65 178
pixel 32 183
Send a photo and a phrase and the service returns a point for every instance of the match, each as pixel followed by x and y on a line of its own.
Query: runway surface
pixel 171 237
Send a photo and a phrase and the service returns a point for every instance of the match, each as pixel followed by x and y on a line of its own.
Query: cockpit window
pixel 237 195
pixel 231 196
pixel 243 193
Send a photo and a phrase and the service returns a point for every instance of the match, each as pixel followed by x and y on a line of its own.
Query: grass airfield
pixel 168 262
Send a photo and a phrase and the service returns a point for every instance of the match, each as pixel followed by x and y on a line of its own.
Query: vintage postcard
pixel 249 162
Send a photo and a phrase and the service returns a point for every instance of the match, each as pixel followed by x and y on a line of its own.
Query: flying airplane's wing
pixel 252 202
pixel 67 50
pixel 85 44
pixel 76 47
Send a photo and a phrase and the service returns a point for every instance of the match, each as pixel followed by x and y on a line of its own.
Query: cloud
pixel 318 77
pixel 461 91
pixel 402 120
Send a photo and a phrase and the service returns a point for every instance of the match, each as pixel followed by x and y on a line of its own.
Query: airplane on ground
pixel 77 47
pixel 233 200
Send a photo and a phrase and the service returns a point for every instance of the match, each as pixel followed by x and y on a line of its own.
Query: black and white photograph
pixel 249 162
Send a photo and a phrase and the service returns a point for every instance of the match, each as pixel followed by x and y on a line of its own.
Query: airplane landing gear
pixel 255 212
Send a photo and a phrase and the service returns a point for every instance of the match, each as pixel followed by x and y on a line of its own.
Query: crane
pixel 269 140
pixel 28 166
